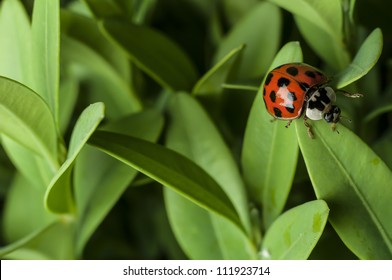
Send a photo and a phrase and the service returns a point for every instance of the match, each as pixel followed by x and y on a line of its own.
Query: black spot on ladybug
pixel 291 96
pixel 293 71
pixel 319 73
pixel 277 112
pixel 263 91
pixel 268 79
pixel 304 86
pixel 310 74
pixel 283 82
pixel 290 108
pixel 272 96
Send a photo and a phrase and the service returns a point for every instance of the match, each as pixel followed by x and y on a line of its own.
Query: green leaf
pixel 16 63
pixel 34 129
pixel 193 134
pixel 15 43
pixel 296 232
pixel 356 184
pixel 267 153
pixel 383 148
pixel 326 15
pixel 170 169
pixel 23 198
pixel 52 242
pixel 103 8
pixel 69 89
pixel 86 31
pixel 321 24
pixel 101 179
pixel 117 95
pixel 211 82
pixel 154 53
pixel 261 42
pixel 363 62
pixel 17 245
pixel 46 51
pixel 59 198
pixel 36 169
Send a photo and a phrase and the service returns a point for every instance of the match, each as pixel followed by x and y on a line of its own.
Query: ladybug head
pixel 333 116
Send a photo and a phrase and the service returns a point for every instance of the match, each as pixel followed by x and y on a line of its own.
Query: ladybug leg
pixel 349 94
pixel 309 127
pixel 288 123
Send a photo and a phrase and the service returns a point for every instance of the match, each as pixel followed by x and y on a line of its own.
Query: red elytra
pixel 286 87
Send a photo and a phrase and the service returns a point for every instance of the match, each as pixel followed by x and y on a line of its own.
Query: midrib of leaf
pixel 269 163
pixel 179 178
pixel 289 250
pixel 372 215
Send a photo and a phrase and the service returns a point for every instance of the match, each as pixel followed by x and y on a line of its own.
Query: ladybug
pixel 291 89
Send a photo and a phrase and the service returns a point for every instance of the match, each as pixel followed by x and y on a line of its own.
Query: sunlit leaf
pixel 296 232
pixel 59 197
pixel 170 169
pixel 355 183
pixel 270 149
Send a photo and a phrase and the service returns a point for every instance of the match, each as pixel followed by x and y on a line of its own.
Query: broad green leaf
pixel 16 63
pixel 193 134
pixel 15 43
pixel 117 94
pixel 170 169
pixel 270 149
pixel 296 232
pixel 68 94
pixel 154 53
pixel 46 51
pixel 321 24
pixel 211 82
pixel 325 14
pixel 235 10
pixel 101 179
pixel 363 61
pixel 59 197
pixel 8 250
pixel 333 52
pixel 103 8
pixel 199 229
pixel 52 242
pixel 24 210
pixel 85 30
pixel 260 31
pixel 356 184
pixel 34 129
pixel 383 147
pixel 33 167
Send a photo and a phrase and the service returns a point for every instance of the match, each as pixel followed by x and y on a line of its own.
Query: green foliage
pixel 116 131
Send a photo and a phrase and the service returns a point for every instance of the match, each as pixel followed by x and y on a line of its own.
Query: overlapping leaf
pixel 194 135
pixel 270 150
pixel 296 232
pixel 59 197
pixel 170 169
pixel 356 184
